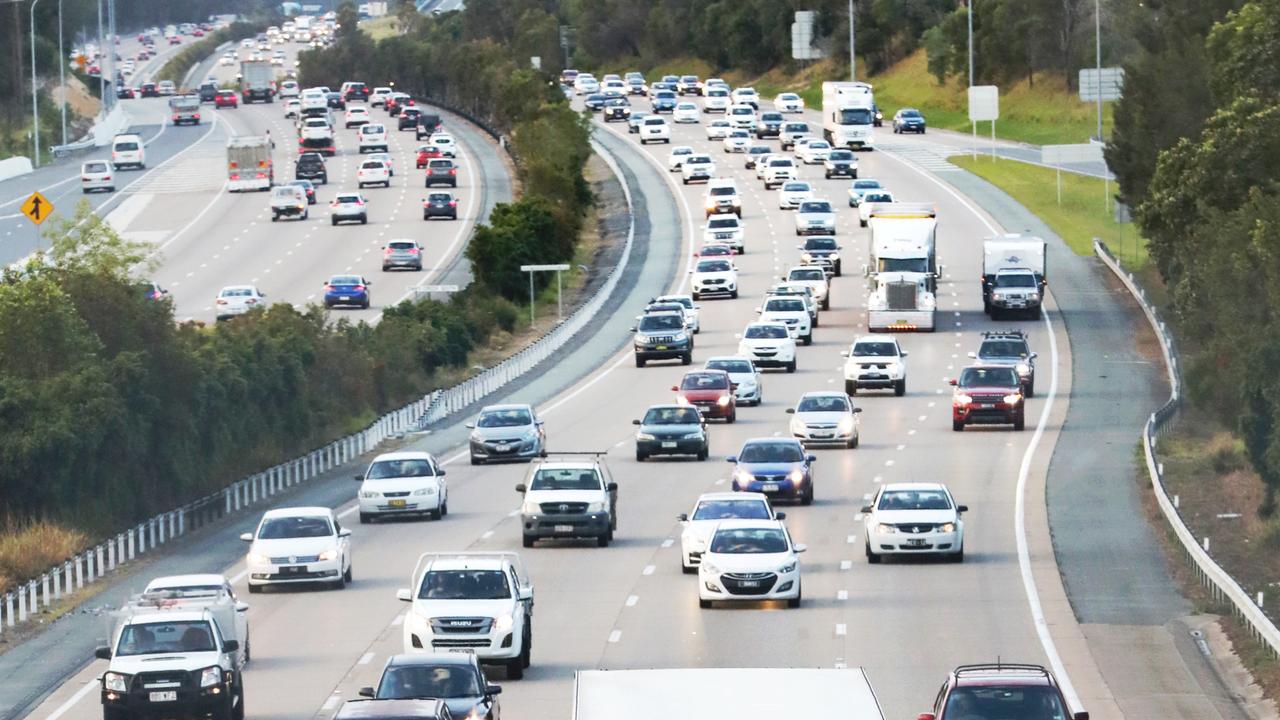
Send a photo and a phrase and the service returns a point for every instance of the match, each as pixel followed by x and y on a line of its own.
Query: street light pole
pixel 62 74
pixel 968 11
pixel 35 89
pixel 1097 29
pixel 853 61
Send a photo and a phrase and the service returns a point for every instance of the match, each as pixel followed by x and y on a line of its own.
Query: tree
pixel 1242 50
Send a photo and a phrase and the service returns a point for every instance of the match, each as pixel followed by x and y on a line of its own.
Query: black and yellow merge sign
pixel 37 208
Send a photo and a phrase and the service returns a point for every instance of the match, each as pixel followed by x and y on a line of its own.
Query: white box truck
pixel 257 81
pixel 249 163
pixel 848 115
pixel 1013 275
pixel 903 267
pixel 725 694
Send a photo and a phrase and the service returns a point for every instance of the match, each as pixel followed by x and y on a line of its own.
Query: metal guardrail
pixel 26 600
pixel 1210 574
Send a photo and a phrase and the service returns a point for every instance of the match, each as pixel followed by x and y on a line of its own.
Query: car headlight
pixel 597 507
pixel 679 337
pixel 745 477
pixel 723 400
pixel 1033 296
pixel 328 555
pixel 115 682
pixel 691 436
pixel 846 424
pixel 644 436
pixel 884 529
pixel 788 568
pixel 258 559
pixel 963 399
pixel 370 494
pixel 709 568
pixel 504 623
pixel 805 257
pixel 947 527
pixel 425 491
pixel 210 676
pixel 682 400
pixel 796 476
pixel 477 437
pixel 1013 398
pixel 531 508
pixel 1023 369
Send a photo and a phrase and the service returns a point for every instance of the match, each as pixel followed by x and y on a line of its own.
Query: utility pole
pixel 853 58
pixel 968 11
pixel 62 74
pixel 1097 30
pixel 102 80
pixel 35 89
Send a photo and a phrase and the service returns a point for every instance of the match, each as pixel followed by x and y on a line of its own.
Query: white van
pixel 96 175
pixel 127 151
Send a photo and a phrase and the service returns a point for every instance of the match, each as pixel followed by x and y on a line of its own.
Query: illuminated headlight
pixel 963 399
pixel 691 436
pixel 1023 369
pixel 886 529
pixel 530 508
pixel 947 527
pixel 723 400
pixel 788 568
pixel 370 494
pixel 425 491
pixel 846 424
pixel 328 555
pixel 595 507
pixel 745 477
pixel 682 400
pixel 644 436
pixel 210 676
pixel 796 476
pixel 805 257
pixel 115 682
pixel 1013 399
pixel 258 559
pixel 1033 296
pixel 503 623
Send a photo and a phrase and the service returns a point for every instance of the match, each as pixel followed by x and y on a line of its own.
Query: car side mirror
pixel 675 388
pixel 441 472
pixel 247 537
pixel 791 411
pixel 952 381
pixel 800 247
pixel 962 508
pixel 1033 356
pixel 230 645
pixel 866 270
pixel 731 459
pixel 633 329
pixel 925 716
pixel 344 532
pixel 611 487
pixel 799 548
pixel 470 426
pixel 521 488
pixel 102 653
pixel 973 354
pixel 903 353
pixel 857 410
pixel 242 607
pixel 635 422
pixel 358 477
pixel 526 593
pixel 844 353
pixel 366 692
pixel 404 595
pixel 866 510
pixel 1082 715
pixel 492 690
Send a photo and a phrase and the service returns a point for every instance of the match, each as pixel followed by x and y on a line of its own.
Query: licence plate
pixel 164 696
pixel 985 405
pixel 875 376
pixel 822 436
pixel 723 236
pixel 769 487
pixel 564 528
pixel 668 444
pixel 344 297
pixel 397 503
pixel 660 347
pixel 293 569
pixel 915 542
pixel 749 583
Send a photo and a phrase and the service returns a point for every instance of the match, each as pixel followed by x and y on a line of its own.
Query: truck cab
pixel 570 496
pixel 903 269
pixel 848 115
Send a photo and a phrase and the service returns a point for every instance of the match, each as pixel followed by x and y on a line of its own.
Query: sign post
pixel 1059 155
pixel 37 209
pixel 557 269
pixel 984 104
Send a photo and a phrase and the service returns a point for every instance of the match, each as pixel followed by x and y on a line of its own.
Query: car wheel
pixel 855 175
pixel 255 589
pixel 346 576
pixel 640 362
pixel 515 668
pixel 850 388
pixel 1031 389
pixel 808 339
pixel 695 296
pixel 688 569
pixel 602 540
pixel 795 601
pixel 733 295
pixel 641 456
pixel 366 518
pixel 704 604
pixel 862 223
pixel 872 558
pixel 838 273
pixel 791 366
pixel 900 387
pixel 686 359
pixel 527 540
pixel 335 221
pixel 339 584
pixel 826 303
pixel 274 217
pixel 853 442
pixel 1020 424
pixel 957 425
pixel 364 219
pixel 807 498
pixel 526 655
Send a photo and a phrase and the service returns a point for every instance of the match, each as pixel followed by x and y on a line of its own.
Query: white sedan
pixel 403 483
pixel 708 511
pixel 685 112
pixel 869 200
pixel 737 141
pixel 292 107
pixel 814 152
pixel 373 172
pixel 750 560
pixel 792 193
pixel 913 519
pixel 298 545
pixel 677 157
pixel 788 102
pixel 447 145
pixel 718 129
pixel 356 115
pixel 825 418
pixel 236 300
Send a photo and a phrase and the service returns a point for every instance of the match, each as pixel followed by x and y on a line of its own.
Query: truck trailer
pixel 848 115
pixel 1013 275
pixel 249 163
pixel 257 81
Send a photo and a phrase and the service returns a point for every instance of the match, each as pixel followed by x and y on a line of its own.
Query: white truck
pixel 725 694
pixel 903 269
pixel 848 115
pixel 249 163
pixel 178 649
pixel 257 81
pixel 1013 275
pixel 477 602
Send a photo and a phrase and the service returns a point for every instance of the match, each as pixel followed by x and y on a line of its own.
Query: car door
pixel 344 542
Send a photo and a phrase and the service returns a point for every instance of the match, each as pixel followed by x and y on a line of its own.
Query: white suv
pixel 697 167
pixel 768 344
pixel 742 116
pixel 875 361
pixel 914 518
pixel 403 483
pixel 816 278
pixel 379 96
pixel 726 229
pixel 722 197
pixel 373 138
pixel 373 172
pixel 677 157
pixel 790 311
pixel 654 129
pixel 127 151
pixel 475 602
pixel 716 100
pixel 779 170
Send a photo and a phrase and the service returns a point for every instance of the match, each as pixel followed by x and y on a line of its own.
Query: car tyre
pixel 853 441
pixel 603 540
pixel 527 540
pixel 791 366
pixel 686 359
pixel 957 557
pixel 1031 389
pixel 688 569
pixel 1020 424
pixel 366 518
pixel 641 456
pixel 704 604
pixel 515 668
pixel 704 453
pixel 255 589
pixel 850 388
pixel 957 425
pixel 807 498
pixel 795 601
pixel 733 295
pixel 900 387
pixel 808 339
pixel 364 219
pixel 826 303
pixel 872 558
pixel 346 576
pixel 731 418
pixel 862 223
pixel 640 362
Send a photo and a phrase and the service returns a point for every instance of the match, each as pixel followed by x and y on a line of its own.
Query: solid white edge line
pixel 71 701
pixel 1024 470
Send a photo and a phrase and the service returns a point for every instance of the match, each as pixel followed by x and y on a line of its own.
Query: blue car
pixel 664 101
pixel 346 291
pixel 777 467
pixel 908 120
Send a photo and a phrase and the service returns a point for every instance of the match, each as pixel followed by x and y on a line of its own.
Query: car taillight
pixel 453 203
pixel 251 301
pixel 106 177
pixel 453 171
pixel 235 176
pixel 221 301
pixel 358 288
pixel 413 251
pixel 197 116
pixel 175 116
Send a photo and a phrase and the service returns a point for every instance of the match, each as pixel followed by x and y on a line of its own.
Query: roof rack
pixel 596 453
pixel 1014 332
pixel 1001 667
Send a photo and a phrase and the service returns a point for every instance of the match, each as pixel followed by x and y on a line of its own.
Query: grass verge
pixel 1077 219
pixel 28 549
pixel 383 27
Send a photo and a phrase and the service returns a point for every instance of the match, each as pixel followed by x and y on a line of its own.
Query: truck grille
pixel 564 508
pixel 460 643
pixel 160 680
pixel 459 625
pixel 901 296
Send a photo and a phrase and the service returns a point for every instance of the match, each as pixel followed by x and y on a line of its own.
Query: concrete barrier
pixel 14 167
pixel 107 128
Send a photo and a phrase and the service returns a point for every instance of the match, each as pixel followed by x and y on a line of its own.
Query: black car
pixel 595 101
pixel 840 163
pixel 335 100
pixel 308 187
pixel 671 430
pixel 617 109
pixel 662 336
pixel 770 125
pixel 428 124
pixel 821 250
pixel 408 118
pixel 125 92
pixel 357 92
pixel 208 92
pixel 310 166
pixel 1009 347
pixel 455 678
pixel 149 89
pixel 440 204
pixel 425 709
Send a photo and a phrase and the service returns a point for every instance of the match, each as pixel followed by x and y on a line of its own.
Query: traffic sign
pixel 37 208
pixel 984 103
pixel 437 288
pixel 1065 154
pixel 1105 82
pixel 542 268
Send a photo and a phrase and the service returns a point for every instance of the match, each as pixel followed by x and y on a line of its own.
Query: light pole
pixel 853 62
pixel 35 89
pixel 62 74
pixel 968 11
pixel 1097 30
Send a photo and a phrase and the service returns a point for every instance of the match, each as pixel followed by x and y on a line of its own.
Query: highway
pixel 628 605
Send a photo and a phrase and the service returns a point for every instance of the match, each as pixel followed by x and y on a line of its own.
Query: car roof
pixel 767 323
pixel 724 358
pixel 179 581
pixel 708 497
pixel 238 287
pixel 468 562
pixel 412 659
pixel 507 406
pixel 770 441
pixel 405 455
pixel 875 338
pixel 391 709
pixel 914 486
pixel 298 512
pixel 740 523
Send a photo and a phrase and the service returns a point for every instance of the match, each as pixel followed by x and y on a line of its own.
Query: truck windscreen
pixel 917 265
pixel 855 116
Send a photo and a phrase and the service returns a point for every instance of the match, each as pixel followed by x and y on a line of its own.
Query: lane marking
pixel 615 636
pixel 842 594
pixel 668 543
pixel 486 535
pixel 632 600
pixel 365 659
pixel 841 630
pixel 331 702
pixel 648 570
pixel 89 687
pixel 846 564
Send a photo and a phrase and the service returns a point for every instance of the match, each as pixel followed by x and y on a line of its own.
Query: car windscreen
pixel 796 187
pixel 749 541
pixel 1003 348
pixel 345 280
pixel 1019 702
pixel 865 184
pixel 128 146
pixel 733 367
pixel 671 416
pixel 821 243
pixel 910 113
pixel 731 510
pixel 781 162
pixel 704 381
pixel 682 300
pixel 650 323
pixel 373 165
pixel 771 452
pixel 807 274
pixel 698 160
pixel 728 223
pixel 841 155
pixel 236 292
pixel 565 479
pixel 95 167
pixel 823 403
pixel 742 111
pixel 796 128
pixel 875 197
pixel 402 245
pixel 513 417
pixel 284 192
pixel 714 266
pixel 914 500
pixel 1016 280
pixel 912 265
pixel 723 190
pixel 401 682
pixel 464 585
pixel 873 348
pixel 855 116
pixel 759 150
pixel 280 528
pixel 651 122
pixel 785 305
pixel 767 332
pixel 166 637
pixel 994 377
pixel 409 467
pixel 815 206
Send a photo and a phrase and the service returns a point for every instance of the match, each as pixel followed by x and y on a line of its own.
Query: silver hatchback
pixel 506 432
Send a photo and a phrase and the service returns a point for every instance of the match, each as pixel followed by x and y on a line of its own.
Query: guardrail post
pixel 111 554
pixel 48 599
pixel 22 605
pixel 79 572
pixel 8 608
pixel 131 543
pixel 182 520
pixel 98 551
pixel 160 529
pixel 153 532
pixel 57 582
pixel 144 540
pixel 88 566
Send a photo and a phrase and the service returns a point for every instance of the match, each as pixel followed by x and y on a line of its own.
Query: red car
pixel 197 33
pixel 426 152
pixel 175 40
pixel 226 98
pixel 988 395
pixel 1001 690
pixel 711 391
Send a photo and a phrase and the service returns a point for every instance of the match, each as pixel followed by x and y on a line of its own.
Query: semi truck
pixel 903 268
pixel 257 81
pixel 848 115
pixel 249 163
pixel 1013 275
pixel 725 694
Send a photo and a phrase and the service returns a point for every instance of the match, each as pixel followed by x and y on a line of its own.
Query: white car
pixel 750 560
pixel 447 145
pixel 714 276
pixel 289 89
pixel 859 187
pixel 386 160
pixel 373 138
pixel 797 145
pixel 315 128
pixel 913 519
pixel 726 230
pixel 373 172
pixel 875 362
pixel 292 107
pixel 348 207
pixel 742 116
pixel 778 170
pixel 298 545
pixel 236 300
pixel 356 115
pixel 816 278
pixel 737 141
pixel 710 510
pixel 718 129
pixel 815 216
pixel 722 197
pixel 697 167
pixel 870 199
pixel 97 175
pixel 691 309
pixel 277 58
pixel 227 59
pixel 677 157
pixel 379 96
pixel 716 100
pixel 403 483
pixel 825 418
pixel 685 112
pixel 788 102
pixel 814 152
pixel 746 96
pixel 792 193
pixel 654 129
pixel 768 344
pixel 585 84
pixel 790 311
pixel 614 86
pixel 748 386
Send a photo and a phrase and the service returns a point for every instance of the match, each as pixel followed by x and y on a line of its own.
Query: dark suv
pixel 987 395
pixel 455 678
pixel 208 92
pixel 770 125
pixel 310 166
pixel 1000 690
pixel 1010 348
pixel 442 171
pixel 408 118
pixel 428 124
pixel 662 336
pixel 440 204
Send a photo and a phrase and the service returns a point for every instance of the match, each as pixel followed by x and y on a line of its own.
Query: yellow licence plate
pixel 397 503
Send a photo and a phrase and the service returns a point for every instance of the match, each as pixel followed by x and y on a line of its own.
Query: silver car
pixel 746 378
pixel 402 254
pixel 506 432
pixel 815 217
